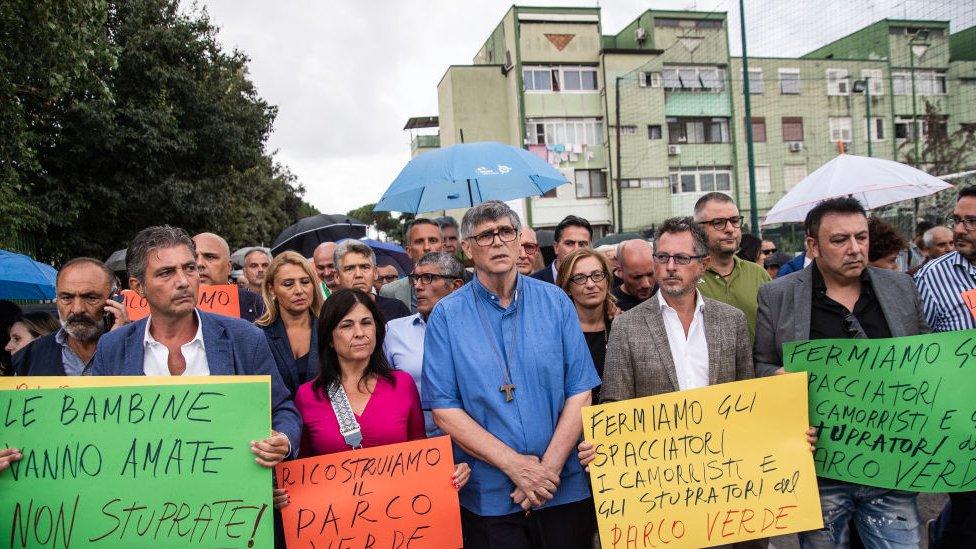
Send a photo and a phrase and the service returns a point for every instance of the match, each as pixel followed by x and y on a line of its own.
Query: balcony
pixel 419 143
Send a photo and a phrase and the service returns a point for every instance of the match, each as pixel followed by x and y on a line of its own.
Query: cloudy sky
pixel 347 74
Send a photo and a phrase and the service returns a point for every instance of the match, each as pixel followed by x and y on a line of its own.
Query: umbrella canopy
pixel 463 175
pixel 116 261
pixel 23 278
pixel 875 182
pixel 237 258
pixel 309 232
pixel 391 251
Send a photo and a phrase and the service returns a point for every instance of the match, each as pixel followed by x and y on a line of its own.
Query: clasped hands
pixel 535 481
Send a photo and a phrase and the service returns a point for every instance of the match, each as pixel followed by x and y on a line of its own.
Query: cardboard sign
pixel 969 298
pixel 394 497
pixel 703 467
pixel 221 299
pixel 136 466
pixel 893 413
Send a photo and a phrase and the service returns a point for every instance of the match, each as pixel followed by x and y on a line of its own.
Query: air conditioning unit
pixel 640 35
pixel 674 150
pixel 796 146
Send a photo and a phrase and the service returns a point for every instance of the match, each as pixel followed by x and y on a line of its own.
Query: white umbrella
pixel 875 182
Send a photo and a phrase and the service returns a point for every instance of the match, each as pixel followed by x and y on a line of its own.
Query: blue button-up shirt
pixel 941 283
pixel 404 350
pixel 73 364
pixel 550 363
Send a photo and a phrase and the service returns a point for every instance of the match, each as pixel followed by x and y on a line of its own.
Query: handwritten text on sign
pixel 703 467
pixel 894 413
pixel 221 299
pixel 393 497
pixel 137 466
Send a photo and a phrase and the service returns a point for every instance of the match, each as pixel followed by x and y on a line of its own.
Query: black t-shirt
pixel 625 301
pixel 597 343
pixel 391 308
pixel 829 319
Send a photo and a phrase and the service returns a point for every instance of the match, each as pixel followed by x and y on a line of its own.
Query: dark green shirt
pixel 740 289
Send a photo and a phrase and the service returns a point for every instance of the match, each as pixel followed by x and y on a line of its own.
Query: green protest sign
pixel 136 466
pixel 893 413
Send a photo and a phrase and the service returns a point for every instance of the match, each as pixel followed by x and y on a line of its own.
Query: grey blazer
pixel 785 304
pixel 639 361
pixel 402 290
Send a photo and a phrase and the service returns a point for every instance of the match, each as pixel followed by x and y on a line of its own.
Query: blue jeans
pixel 885 519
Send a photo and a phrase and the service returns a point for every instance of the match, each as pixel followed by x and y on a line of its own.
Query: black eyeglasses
pixel 853 327
pixel 429 278
pixel 487 238
pixel 968 222
pixel 770 251
pixel 719 222
pixel 679 259
pixel 596 276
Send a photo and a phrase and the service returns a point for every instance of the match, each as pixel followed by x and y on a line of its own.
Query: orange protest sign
pixel 969 298
pixel 221 299
pixel 394 496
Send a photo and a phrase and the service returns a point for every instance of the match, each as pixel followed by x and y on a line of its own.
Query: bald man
pixel 214 266
pixel 936 242
pixel 324 263
pixel 636 266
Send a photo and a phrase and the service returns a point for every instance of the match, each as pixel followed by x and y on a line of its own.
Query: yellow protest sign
pixel 704 467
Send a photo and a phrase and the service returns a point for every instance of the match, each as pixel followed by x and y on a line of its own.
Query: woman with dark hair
pixel 884 245
pixel 29 326
pixel 357 383
pixel 749 249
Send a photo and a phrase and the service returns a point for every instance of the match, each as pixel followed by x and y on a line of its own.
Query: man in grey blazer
pixel 676 339
pixel 839 296
pixel 423 236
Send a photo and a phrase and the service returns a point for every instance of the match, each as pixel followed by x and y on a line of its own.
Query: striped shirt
pixel 940 283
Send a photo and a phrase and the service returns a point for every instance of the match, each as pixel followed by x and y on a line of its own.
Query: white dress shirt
pixel 690 353
pixel 156 354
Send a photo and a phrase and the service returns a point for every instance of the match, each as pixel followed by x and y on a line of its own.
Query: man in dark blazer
pixel 82 291
pixel 572 233
pixel 178 339
pixel 214 266
pixel 839 296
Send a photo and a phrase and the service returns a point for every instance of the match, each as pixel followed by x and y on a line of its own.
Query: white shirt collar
pixel 150 340
pixel 699 302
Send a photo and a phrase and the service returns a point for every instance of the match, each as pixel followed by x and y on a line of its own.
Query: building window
pixel 911 31
pixel 696 79
pixel 669 22
pixel 624 130
pixel 590 184
pixel 876 129
pixel 698 130
pixel 926 83
pixel 840 128
pixel 838 82
pixel 904 128
pixel 700 180
pixel 758 129
pixel 569 78
pixel 564 131
pixel 654 131
pixel 874 79
pixel 654 183
pixel 792 175
pixel 763 184
pixel 755 81
pixel 792 128
pixel 789 81
pixel 630 183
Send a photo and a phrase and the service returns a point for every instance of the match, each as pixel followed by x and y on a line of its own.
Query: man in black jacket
pixel 572 233
pixel 83 288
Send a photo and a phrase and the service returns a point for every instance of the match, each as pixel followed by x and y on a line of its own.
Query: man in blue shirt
pixel 436 275
pixel 506 371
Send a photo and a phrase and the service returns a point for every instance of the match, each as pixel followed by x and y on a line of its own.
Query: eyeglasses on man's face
pixel 529 248
pixel 596 276
pixel 487 238
pixel 429 278
pixel 386 279
pixel 719 222
pixel 967 221
pixel 679 259
pixel 769 251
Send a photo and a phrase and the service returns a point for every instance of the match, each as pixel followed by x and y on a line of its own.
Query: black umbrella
pixel 304 236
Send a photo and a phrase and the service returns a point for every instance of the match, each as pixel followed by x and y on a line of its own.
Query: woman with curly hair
pixel 884 245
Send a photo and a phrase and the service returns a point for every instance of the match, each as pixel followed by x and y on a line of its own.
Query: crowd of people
pixel 503 355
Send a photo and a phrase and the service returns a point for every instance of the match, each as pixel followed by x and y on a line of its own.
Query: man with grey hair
pixel 214 266
pixel 177 339
pixel 256 263
pixel 435 275
pixel 636 269
pixel 82 290
pixel 449 233
pixel 728 278
pixel 356 269
pixel 506 372
pixel 936 242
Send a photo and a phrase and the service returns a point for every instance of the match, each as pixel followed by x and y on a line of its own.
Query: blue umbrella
pixel 463 175
pixel 23 278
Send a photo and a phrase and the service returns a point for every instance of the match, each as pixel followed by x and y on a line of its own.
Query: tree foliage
pixel 123 114
pixel 393 227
